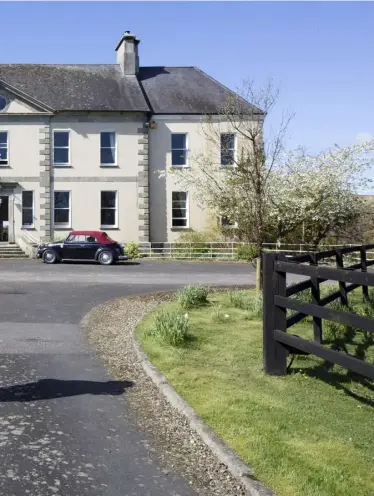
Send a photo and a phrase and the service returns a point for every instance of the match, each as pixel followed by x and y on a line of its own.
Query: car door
pixel 88 248
pixel 70 248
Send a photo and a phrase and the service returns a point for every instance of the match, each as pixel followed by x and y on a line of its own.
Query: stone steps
pixel 11 251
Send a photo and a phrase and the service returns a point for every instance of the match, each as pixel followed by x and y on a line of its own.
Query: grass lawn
pixel 310 433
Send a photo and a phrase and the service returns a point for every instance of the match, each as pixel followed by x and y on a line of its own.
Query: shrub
pixel 198 237
pixel 132 248
pixel 193 296
pixel 255 305
pixel 239 299
pixel 246 252
pixel 171 328
pixel 194 244
pixel 218 316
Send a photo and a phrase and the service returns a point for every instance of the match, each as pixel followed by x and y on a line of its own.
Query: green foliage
pixel 252 304
pixel 265 418
pixel 239 299
pixel 218 315
pixel 243 301
pixel 170 328
pixel 246 252
pixel 193 296
pixel 193 244
pixel 255 305
pixel 132 248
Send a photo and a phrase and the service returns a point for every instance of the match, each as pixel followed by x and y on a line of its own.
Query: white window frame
pixel 106 226
pixel 234 225
pixel 234 149
pixel 186 150
pixel 62 225
pixel 28 226
pixel 187 211
pixel 115 164
pixel 60 164
pixel 5 164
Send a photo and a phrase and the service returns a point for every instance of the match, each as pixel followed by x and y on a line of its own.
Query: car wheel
pixel 106 258
pixel 49 257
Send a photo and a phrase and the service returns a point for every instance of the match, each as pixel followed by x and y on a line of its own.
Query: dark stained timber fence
pixel 278 343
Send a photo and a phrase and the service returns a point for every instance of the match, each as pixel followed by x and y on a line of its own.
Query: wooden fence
pixel 278 343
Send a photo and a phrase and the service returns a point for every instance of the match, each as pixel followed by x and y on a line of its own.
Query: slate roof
pixel 160 90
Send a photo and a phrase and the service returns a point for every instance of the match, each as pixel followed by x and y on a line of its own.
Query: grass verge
pixel 307 434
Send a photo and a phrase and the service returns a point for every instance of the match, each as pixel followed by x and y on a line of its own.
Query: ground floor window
pixel 62 208
pixel 27 208
pixel 179 209
pixel 109 209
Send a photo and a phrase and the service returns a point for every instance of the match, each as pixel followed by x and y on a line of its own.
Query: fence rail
pixel 277 300
pixel 224 250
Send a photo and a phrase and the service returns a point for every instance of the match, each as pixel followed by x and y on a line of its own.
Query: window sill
pixel 180 166
pixel 28 228
pixel 5 166
pixel 109 166
pixel 62 228
pixel 62 166
pixel 176 229
pixel 110 228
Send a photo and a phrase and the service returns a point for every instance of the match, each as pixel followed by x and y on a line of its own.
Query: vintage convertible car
pixel 83 245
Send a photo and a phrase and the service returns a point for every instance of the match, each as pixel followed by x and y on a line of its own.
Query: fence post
pixel 316 299
pixel 365 289
pixel 342 285
pixel 274 283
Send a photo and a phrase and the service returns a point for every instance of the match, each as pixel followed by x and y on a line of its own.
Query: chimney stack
pixel 127 54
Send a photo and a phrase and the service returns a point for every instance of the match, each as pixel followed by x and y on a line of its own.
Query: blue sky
pixel 320 53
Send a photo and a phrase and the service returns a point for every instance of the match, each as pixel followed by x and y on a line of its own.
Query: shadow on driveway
pixel 47 389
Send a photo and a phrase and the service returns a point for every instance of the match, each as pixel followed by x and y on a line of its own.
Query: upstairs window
pixel 61 151
pixel 179 215
pixel 3 148
pixel 227 149
pixel 179 152
pixel 108 148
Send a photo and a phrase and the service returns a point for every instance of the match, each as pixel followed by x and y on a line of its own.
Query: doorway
pixel 4 219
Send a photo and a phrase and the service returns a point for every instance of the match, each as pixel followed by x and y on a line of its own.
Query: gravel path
pixel 176 447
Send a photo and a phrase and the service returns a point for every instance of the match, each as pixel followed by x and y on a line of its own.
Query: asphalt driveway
pixel 64 425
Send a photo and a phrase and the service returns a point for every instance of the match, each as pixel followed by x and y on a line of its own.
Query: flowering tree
pixel 319 192
pixel 268 192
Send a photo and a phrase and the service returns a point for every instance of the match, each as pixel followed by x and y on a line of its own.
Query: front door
pixel 4 219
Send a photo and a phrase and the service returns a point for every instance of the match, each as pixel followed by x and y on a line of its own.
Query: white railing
pixel 189 251
pixel 29 237
pixel 217 250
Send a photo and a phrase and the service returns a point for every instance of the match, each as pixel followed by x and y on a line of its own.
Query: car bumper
pixel 124 257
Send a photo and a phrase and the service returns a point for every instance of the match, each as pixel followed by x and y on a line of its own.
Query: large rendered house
pixel 80 147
